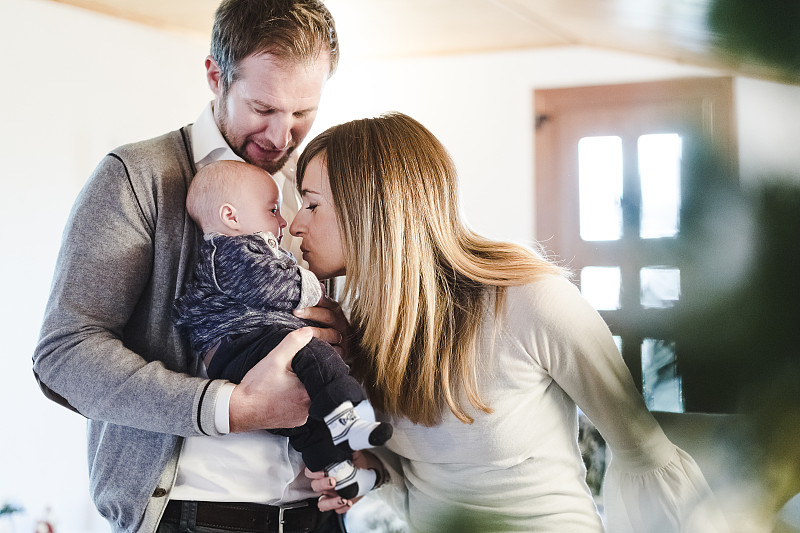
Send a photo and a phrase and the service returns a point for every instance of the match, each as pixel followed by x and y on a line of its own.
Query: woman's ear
pixel 228 217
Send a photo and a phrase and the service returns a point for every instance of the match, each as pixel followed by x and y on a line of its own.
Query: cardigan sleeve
pixel 650 484
pixel 103 272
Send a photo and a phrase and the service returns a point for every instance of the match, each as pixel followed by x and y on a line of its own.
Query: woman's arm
pixel 650 485
pixel 570 340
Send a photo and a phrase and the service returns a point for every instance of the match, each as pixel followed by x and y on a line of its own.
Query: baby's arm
pixel 261 275
pixel 310 289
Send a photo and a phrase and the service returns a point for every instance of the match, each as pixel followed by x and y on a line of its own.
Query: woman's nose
pixel 297 227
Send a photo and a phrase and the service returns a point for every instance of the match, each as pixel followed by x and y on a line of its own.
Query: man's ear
pixel 214 76
pixel 228 217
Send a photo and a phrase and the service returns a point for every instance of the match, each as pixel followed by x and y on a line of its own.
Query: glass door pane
pixel 660 175
pixel 661 383
pixel 600 188
pixel 660 287
pixel 601 287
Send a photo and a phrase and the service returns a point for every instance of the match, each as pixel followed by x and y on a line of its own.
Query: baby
pixel 238 306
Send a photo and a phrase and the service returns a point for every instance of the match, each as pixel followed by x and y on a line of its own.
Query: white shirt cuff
pixel 221 413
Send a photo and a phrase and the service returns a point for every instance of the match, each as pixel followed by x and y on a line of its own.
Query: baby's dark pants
pixel 320 369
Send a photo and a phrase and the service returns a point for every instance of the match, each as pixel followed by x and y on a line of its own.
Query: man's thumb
pixel 291 344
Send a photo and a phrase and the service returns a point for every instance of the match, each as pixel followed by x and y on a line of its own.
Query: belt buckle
pixel 288 507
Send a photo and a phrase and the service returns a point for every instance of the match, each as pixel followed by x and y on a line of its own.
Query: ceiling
pixel 670 29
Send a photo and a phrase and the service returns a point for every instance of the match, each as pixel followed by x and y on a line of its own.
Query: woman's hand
pixel 335 328
pixel 329 500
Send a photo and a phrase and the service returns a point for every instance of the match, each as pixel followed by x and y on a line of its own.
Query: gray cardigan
pixel 108 348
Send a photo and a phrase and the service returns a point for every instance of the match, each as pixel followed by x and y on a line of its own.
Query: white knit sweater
pixel 520 466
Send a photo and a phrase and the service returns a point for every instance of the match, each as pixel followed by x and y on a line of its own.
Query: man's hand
pixel 270 395
pixel 335 328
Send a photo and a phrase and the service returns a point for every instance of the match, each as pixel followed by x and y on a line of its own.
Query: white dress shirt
pixel 256 467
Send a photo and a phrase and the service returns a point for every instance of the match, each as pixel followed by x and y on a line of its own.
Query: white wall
pixel 481 107
pixel 768 122
pixel 78 84
pixel 74 85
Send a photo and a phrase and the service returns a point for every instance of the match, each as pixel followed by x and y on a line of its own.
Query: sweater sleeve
pixel 102 278
pixel 651 484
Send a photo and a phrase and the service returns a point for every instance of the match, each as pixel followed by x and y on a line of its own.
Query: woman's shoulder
pixel 552 300
pixel 545 291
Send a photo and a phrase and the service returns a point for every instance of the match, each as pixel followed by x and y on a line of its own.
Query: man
pixel 108 348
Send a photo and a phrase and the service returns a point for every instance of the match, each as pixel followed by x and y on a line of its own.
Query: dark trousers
pixel 324 375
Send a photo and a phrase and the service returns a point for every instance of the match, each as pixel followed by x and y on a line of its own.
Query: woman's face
pixel 317 224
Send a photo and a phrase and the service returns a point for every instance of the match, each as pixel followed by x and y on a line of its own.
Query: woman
pixel 478 352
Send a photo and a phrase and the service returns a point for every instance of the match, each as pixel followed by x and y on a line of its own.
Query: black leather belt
pixel 298 517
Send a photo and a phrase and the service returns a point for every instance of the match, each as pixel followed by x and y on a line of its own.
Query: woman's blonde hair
pixel 417 279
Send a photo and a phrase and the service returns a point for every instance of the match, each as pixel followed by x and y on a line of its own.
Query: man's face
pixel 267 112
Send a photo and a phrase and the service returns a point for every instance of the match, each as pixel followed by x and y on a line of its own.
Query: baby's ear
pixel 228 217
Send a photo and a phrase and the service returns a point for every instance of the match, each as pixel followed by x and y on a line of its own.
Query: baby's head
pixel 235 198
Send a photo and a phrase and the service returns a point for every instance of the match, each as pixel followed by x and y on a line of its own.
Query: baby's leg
pixel 334 393
pixel 351 481
pixel 353 432
pixel 320 454
pixel 235 357
pixel 326 378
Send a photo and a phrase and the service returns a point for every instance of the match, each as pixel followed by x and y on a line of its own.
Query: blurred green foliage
pixel 765 31
pixel 738 324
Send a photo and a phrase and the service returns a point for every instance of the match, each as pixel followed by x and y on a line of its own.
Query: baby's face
pixel 259 206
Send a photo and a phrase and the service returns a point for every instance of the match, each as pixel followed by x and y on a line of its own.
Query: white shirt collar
pixel 208 144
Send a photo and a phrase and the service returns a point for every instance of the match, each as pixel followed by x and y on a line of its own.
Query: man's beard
pixel 271 166
pixel 220 116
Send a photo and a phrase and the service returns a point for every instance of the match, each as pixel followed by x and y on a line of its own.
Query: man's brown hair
pixel 292 30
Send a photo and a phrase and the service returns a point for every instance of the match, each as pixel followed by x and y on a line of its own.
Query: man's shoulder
pixel 171 151
pixel 156 171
